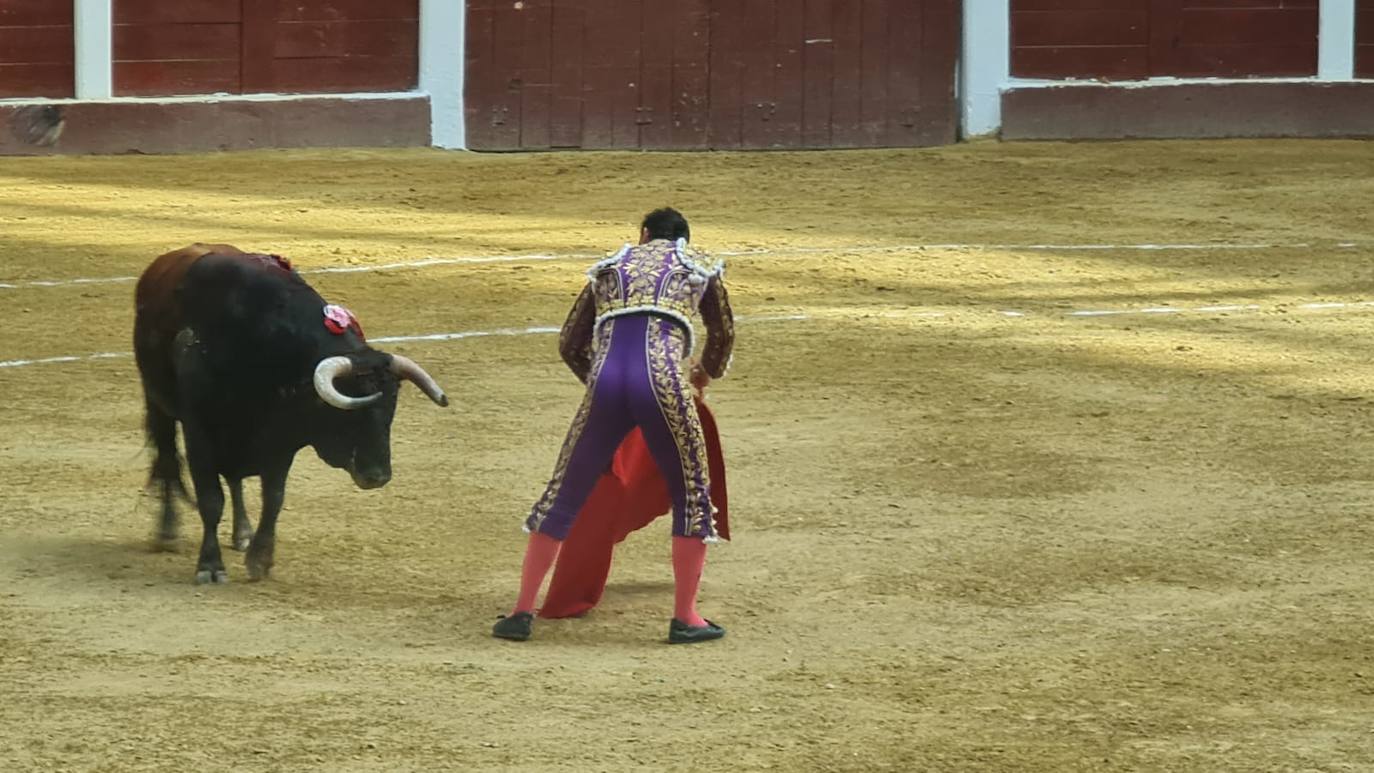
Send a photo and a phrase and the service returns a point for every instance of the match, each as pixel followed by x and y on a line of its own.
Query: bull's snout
pixel 370 479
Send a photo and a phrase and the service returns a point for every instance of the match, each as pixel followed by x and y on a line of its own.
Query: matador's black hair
pixel 667 223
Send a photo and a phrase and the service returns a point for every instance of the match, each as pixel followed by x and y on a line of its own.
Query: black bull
pixel 235 347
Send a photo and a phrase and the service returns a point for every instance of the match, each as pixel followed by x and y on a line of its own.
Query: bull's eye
pixel 356 387
pixel 364 384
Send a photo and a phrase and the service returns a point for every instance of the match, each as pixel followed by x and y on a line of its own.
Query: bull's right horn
pixel 331 368
pixel 407 369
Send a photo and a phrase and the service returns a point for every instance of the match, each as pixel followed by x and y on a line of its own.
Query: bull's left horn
pixel 331 368
pixel 405 368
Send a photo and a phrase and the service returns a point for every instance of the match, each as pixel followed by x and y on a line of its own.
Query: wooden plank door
pixel 698 74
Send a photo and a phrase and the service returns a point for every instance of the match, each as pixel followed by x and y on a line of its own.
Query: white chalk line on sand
pixel 862 249
pixel 1216 309
pixel 1011 313
pixel 1147 310
pixel 505 331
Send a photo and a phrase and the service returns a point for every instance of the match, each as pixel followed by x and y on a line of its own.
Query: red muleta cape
pixel 629 496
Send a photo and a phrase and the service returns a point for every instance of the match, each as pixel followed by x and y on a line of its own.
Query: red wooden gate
pixel 36 52
pixel 697 74
pixel 1133 39
pixel 246 46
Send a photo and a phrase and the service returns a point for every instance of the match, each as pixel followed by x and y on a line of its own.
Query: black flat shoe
pixel 516 627
pixel 681 633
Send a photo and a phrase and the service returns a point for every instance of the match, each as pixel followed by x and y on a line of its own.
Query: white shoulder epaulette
pixel 607 262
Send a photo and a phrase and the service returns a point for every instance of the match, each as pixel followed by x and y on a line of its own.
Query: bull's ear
pixel 406 368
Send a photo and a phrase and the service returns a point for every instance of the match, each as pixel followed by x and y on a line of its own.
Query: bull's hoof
pixel 259 567
pixel 258 559
pixel 241 543
pixel 163 544
pixel 258 572
pixel 212 577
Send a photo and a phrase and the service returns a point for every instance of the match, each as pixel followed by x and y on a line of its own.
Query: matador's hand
pixel 700 378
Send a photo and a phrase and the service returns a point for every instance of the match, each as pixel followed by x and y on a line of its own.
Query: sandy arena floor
pixel 974 529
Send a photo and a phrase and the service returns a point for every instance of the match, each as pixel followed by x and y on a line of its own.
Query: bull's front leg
pixel 261 551
pixel 210 503
pixel 243 528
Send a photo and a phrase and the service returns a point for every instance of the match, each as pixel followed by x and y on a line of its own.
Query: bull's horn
pixel 405 368
pixel 331 368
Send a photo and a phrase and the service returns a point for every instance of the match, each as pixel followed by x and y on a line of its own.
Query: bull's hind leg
pixel 210 503
pixel 165 473
pixel 243 528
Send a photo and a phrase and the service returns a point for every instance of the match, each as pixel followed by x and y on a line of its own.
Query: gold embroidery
pixel 658 276
pixel 720 328
pixel 668 375
pixel 575 337
pixel 667 280
pixel 579 424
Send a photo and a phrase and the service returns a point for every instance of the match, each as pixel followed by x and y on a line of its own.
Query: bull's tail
pixel 165 475
pixel 166 467
pixel 168 475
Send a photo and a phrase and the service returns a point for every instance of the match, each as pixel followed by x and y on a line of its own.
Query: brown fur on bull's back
pixel 154 299
pixel 159 315
pixel 164 274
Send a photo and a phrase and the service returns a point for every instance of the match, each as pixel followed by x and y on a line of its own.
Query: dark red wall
pixel 186 47
pixel 1087 38
pixel 194 127
pixel 343 45
pixel 711 73
pixel 36 50
pixel 1129 39
pixel 246 46
pixel 1191 110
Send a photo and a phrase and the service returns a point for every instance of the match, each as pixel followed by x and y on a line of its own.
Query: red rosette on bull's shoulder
pixel 337 320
